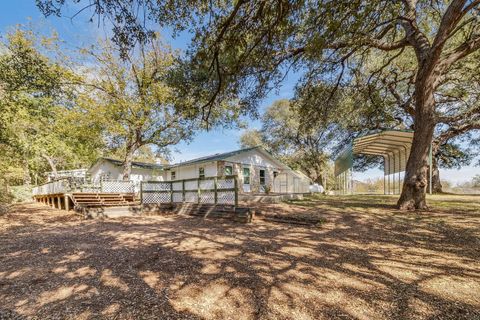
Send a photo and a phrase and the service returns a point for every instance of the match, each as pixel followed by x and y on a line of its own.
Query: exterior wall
pixel 105 169
pixel 192 171
pixel 287 180
pixel 108 170
pixel 253 158
pixel 256 161
pixel 141 174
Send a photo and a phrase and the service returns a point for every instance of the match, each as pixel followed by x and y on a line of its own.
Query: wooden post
pixel 183 190
pixel 235 182
pixel 67 203
pixel 198 190
pixel 59 203
pixel 215 190
pixel 171 192
pixel 141 192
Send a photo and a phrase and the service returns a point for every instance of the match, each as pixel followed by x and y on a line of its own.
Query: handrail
pixel 163 191
pixel 68 184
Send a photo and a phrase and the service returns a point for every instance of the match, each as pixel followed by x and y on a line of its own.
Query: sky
pixel 79 32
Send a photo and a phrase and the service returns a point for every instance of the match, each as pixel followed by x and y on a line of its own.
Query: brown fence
pixel 211 190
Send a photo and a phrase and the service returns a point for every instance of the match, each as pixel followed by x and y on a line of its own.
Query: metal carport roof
pixel 393 145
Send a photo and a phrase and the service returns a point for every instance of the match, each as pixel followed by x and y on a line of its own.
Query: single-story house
pixel 112 169
pixel 255 167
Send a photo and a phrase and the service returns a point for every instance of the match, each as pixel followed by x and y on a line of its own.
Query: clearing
pixel 365 261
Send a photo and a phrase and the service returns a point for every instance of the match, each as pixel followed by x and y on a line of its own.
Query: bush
pixel 5 195
pixel 5 198
pixel 21 193
pixel 3 208
pixel 267 188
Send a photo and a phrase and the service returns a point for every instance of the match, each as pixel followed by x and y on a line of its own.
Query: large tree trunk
pixel 52 164
pixel 416 174
pixel 27 179
pixel 127 163
pixel 436 183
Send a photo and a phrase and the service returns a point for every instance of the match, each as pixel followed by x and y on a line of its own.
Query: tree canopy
pixel 243 49
pixel 36 127
pixel 132 102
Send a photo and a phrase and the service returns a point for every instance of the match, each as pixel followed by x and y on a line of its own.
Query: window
pixel 201 172
pixel 275 174
pixel 246 175
pixel 228 170
pixel 173 175
pixel 262 177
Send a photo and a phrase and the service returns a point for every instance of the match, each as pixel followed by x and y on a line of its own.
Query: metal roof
pixel 215 157
pixel 383 143
pixel 136 164
pixel 393 145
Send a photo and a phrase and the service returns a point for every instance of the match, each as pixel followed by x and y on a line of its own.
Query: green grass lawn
pixel 376 203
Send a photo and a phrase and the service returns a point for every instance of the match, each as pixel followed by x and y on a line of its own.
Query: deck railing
pixel 210 190
pixel 54 187
pixel 68 185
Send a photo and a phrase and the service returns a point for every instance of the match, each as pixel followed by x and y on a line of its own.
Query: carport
pixel 393 145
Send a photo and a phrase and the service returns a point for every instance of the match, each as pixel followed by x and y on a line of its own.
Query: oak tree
pixel 244 48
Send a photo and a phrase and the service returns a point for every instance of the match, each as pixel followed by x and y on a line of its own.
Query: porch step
pixel 111 211
pixel 201 210
pixel 91 199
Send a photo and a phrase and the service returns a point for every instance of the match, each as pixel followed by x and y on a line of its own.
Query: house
pixel 256 168
pixel 112 169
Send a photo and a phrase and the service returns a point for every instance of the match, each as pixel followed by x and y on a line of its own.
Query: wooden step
pixel 96 199
pixel 99 205
pixel 84 195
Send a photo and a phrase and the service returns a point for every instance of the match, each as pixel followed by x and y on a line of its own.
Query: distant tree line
pixel 410 63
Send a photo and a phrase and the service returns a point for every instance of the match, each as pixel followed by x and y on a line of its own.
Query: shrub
pixel 267 188
pixel 21 193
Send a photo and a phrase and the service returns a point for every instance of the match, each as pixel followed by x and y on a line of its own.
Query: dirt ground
pixel 365 261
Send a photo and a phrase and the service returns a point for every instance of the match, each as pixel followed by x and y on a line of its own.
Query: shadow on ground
pixel 364 262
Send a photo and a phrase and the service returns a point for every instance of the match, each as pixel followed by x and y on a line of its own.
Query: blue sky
pixel 79 32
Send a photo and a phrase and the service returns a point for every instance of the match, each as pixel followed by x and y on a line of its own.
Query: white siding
pixel 253 158
pixel 256 161
pixel 291 182
pixel 192 171
pixel 140 174
pixel 107 170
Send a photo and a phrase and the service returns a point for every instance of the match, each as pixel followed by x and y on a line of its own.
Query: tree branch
pixel 460 52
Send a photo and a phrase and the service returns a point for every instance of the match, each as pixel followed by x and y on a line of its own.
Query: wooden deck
pixel 79 200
